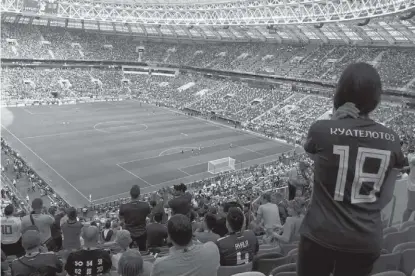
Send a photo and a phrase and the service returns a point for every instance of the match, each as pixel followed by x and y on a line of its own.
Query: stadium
pixel 100 96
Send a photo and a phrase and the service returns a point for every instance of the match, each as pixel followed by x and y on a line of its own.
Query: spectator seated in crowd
pixel 268 215
pixel 156 233
pixel 131 264
pixel 205 233
pixel 36 258
pixel 239 246
pixel 123 241
pixel 296 211
pixel 186 257
pixel 90 260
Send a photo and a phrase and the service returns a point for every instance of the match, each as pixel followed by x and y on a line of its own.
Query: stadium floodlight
pixel 221 165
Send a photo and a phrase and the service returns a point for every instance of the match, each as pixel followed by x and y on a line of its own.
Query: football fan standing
pixel 11 228
pixel 410 207
pixel 354 178
pixel 134 215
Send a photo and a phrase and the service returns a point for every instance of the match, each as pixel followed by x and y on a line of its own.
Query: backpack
pixel 32 227
pixel 40 271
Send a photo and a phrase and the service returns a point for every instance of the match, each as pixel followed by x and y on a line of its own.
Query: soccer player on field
pixel 355 162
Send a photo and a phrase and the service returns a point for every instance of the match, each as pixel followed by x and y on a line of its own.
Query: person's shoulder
pixel 223 240
pixel 162 260
pixel 102 252
pixel 210 245
pixel 249 233
pixel 46 218
pixel 319 124
pixel 147 268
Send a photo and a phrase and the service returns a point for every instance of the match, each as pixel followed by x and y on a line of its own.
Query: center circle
pixel 120 126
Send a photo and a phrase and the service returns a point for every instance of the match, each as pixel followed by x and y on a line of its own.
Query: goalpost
pixel 221 165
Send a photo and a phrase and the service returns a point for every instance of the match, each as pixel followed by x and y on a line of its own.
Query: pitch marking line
pixel 58 134
pixel 29 111
pixel 46 163
pixel 250 150
pixel 133 174
pixel 183 178
pixel 183 171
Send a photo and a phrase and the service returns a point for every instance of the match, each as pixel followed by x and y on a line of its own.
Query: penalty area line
pixel 133 174
pixel 145 189
pixel 183 171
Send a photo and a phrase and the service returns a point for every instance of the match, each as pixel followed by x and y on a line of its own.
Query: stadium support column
pixel 406 32
pixel 384 33
pixel 299 34
pixel 157 27
pixel 200 30
pixel 320 35
pixel 144 29
pixel 363 35
pixel 212 29
pixel 173 31
pixel 339 31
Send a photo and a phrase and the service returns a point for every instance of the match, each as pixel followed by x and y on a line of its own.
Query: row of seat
pixel 253 273
pixel 285 266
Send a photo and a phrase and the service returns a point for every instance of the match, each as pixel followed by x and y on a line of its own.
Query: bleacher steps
pixel 273 108
pixel 207 95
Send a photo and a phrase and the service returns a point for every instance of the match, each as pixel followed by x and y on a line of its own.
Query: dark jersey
pixel 237 248
pixel 88 262
pixel 135 214
pixel 181 204
pixel 353 159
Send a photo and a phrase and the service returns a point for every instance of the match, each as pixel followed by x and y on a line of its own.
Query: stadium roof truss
pixel 300 21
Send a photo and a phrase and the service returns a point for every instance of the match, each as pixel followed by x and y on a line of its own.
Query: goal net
pixel 221 165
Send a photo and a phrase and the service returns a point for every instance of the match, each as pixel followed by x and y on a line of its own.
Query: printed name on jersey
pixel 241 245
pixel 358 133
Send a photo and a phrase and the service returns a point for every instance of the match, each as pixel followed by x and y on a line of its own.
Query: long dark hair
pixel 359 84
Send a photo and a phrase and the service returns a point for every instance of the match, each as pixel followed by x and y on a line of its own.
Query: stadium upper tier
pixel 323 62
pixel 380 32
pixel 223 13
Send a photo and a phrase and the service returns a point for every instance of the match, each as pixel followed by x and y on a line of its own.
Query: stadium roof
pixel 381 31
pixel 355 22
